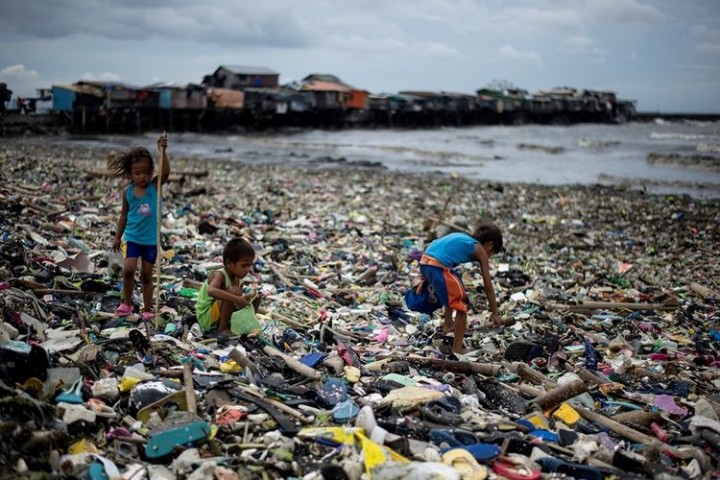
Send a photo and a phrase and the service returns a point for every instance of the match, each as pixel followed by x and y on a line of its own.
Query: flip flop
pixel 454 438
pixel 464 463
pixel 73 394
pixel 575 470
pixel 123 310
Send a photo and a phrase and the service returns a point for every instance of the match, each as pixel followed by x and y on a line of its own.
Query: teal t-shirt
pixel 141 226
pixel 453 249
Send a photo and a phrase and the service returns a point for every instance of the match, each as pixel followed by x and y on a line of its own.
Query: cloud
pixel 15 74
pixel 529 21
pixel 704 33
pixel 582 44
pixel 226 22
pixel 362 44
pixel 622 11
pixel 692 66
pixel 101 77
pixel 707 47
pixel 437 50
pixel 511 53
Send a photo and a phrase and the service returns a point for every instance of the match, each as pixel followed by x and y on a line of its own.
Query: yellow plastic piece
pixel 83 446
pixel 127 383
pixel 539 422
pixel 374 454
pixel 566 414
pixel 230 367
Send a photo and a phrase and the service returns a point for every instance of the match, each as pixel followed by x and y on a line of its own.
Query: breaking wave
pixel 708 148
pixel 678 136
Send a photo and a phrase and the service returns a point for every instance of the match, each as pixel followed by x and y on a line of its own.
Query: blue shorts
pixel 148 253
pixel 447 285
pixel 439 287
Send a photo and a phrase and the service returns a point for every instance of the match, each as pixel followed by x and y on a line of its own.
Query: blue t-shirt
pixel 453 249
pixel 141 227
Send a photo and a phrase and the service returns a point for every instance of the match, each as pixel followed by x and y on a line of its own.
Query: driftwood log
pixel 557 395
pixel 293 364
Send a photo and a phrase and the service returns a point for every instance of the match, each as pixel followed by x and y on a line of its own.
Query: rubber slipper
pixel 454 438
pixel 440 416
pixel 451 404
pixel 483 452
pixel 72 395
pixel 512 471
pixel 464 463
pixel 575 470
pixel 123 310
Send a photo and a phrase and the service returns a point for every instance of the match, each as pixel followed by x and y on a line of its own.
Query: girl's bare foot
pixel 458 347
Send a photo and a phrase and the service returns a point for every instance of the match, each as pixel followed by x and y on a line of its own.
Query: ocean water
pixel 550 155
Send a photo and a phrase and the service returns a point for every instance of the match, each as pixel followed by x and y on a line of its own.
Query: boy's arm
pixel 122 222
pixel 481 256
pixel 216 289
pixel 165 162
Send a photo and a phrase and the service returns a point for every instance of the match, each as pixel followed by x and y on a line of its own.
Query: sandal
pixel 123 310
pixel 147 316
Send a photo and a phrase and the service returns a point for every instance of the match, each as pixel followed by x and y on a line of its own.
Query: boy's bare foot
pixel 448 327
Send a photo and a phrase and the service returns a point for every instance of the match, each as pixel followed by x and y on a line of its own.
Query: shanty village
pixel 249 97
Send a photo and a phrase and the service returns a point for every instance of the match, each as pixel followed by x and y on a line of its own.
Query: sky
pixel 665 54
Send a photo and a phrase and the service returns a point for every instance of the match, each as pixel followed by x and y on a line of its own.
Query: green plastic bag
pixel 244 321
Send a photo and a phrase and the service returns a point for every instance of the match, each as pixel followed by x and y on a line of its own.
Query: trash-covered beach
pixel 606 365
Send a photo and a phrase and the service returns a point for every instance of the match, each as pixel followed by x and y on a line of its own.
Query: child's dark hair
pixel 488 232
pixel 120 164
pixel 236 249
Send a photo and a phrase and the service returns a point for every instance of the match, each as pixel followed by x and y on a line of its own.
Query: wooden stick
pixel 158 260
pixel 286 320
pixel 530 391
pixel 293 364
pixel 531 375
pixel 637 417
pixel 442 214
pixel 611 306
pixel 590 377
pixel 189 388
pixel 556 396
pixel 75 293
pixel 449 224
pixel 622 430
pixel 488 369
pixel 276 404
pixel 242 360
pixel 702 291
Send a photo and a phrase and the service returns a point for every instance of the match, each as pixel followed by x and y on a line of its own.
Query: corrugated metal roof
pixel 322 77
pixel 324 87
pixel 246 70
pixel 84 89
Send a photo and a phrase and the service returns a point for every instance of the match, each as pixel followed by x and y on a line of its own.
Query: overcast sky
pixel 663 53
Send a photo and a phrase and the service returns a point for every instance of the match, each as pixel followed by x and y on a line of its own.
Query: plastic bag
pixel 244 321
pixel 115 263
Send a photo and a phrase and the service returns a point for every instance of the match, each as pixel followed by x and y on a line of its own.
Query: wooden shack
pixel 236 77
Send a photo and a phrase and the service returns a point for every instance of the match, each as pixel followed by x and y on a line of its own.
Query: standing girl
pixel 138 221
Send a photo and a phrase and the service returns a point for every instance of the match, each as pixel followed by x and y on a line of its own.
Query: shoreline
pixel 484 166
pixel 527 206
